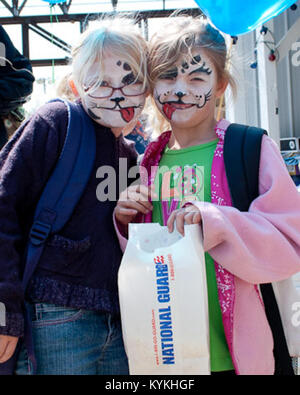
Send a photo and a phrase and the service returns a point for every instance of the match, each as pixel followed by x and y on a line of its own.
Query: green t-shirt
pixel 184 175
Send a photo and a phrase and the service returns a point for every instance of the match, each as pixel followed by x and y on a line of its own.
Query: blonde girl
pixel 72 299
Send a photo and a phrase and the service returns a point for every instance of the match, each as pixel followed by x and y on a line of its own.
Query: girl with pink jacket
pixel 187 67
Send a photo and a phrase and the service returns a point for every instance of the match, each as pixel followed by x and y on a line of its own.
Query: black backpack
pixel 242 149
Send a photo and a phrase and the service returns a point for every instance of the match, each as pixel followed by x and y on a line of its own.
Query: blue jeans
pixel 72 341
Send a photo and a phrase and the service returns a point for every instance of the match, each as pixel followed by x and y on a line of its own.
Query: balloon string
pixel 51 23
pixel 222 97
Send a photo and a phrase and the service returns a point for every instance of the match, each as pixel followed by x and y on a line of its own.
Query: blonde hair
pixel 116 34
pixel 64 90
pixel 178 37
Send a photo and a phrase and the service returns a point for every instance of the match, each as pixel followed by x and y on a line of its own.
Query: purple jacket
pixel 79 265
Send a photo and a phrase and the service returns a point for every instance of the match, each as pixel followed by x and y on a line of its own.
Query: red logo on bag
pixel 159 260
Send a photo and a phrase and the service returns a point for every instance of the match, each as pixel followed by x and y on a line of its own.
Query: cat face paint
pixel 185 91
pixel 119 99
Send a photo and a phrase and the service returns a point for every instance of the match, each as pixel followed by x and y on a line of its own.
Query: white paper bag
pixel 163 300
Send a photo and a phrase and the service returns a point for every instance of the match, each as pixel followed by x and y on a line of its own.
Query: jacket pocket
pixel 65 256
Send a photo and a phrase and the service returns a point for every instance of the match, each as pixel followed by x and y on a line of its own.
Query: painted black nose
pixel 118 100
pixel 180 94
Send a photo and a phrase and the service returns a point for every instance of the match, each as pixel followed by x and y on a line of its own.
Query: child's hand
pixel 7 347
pixel 187 215
pixel 134 200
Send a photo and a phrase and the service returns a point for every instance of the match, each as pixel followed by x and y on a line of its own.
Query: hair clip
pixel 216 35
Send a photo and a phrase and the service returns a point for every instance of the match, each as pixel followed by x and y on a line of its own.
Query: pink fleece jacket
pixel 249 248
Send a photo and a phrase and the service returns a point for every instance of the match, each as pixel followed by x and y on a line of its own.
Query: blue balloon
pixel 55 1
pixel 236 17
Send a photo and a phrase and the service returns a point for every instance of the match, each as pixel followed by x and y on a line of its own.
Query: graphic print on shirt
pixel 178 186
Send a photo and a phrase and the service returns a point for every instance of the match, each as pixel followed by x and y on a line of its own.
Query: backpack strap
pixel 59 197
pixel 64 187
pixel 242 149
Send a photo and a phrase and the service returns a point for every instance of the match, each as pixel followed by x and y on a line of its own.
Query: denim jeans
pixel 69 341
